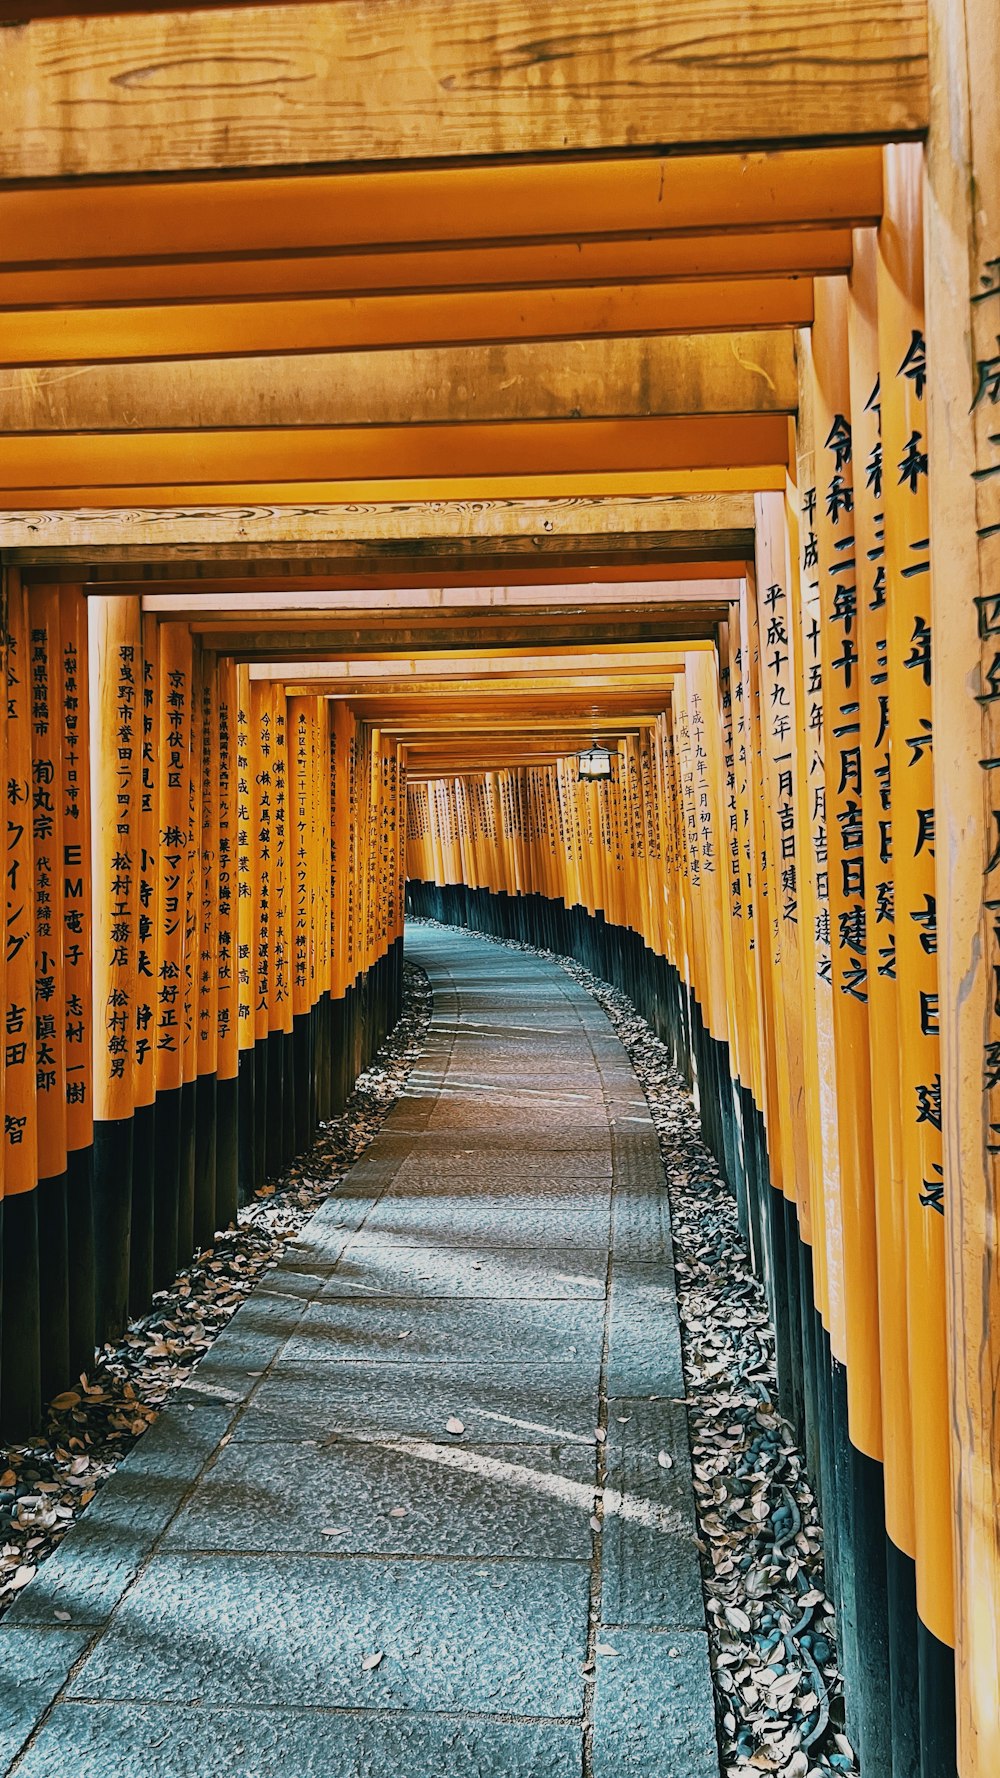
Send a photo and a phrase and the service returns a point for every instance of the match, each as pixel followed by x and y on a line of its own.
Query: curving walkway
pixel 395 1450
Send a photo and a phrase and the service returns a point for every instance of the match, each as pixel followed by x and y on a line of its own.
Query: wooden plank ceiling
pixel 368 334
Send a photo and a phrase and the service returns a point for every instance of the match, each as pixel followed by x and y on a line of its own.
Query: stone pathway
pixel 425 1509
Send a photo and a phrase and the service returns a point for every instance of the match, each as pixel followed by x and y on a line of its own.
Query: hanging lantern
pixel 595 765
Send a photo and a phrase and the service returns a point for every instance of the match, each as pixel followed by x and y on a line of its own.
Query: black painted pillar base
pixel 847 1576
pixel 20 1346
pixel 53 1285
pixel 141 1245
pixel 811 1360
pixel 827 1470
pixel 356 1028
pixel 870 1705
pixel 227 1180
pixel 904 1662
pixel 324 1060
pixel 80 1228
pixel 261 1070
pixel 274 1148
pixel 776 1285
pixel 246 1109
pixel 303 1042
pixel 205 1219
pixel 337 1041
pixel 794 1312
pixel 185 1201
pixel 166 1185
pixel 936 1664
pixel 286 1041
pixel 112 1224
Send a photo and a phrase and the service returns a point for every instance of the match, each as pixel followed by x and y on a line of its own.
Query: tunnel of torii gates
pixel 397 399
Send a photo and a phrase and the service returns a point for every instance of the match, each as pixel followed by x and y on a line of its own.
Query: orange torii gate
pixel 361 462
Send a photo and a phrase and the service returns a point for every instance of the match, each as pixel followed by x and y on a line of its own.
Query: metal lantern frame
pixel 595 765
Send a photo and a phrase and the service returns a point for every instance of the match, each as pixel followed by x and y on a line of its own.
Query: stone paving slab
pixel 537 1402
pixel 516 1183
pixel 519 1159
pixel 644 1346
pixel 649 1558
pixel 287 1280
pixel 99 1560
pixel 393 1498
pixel 486 1221
pixel 490 1171
pixel 255 1335
pixel 34 1667
pixel 640 1226
pixel 378 1269
pixel 653 1716
pixel 517 1186
pixel 453 1152
pixel 496 1638
pixel 228 1634
pixel 510 1068
pixel 156 1741
pixel 554 1122
pixel 570 1048
pixel 392 1331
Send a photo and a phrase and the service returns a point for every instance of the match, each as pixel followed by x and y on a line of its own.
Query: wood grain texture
pixel 963 322
pixel 197 538
pixel 687 374
pixel 417 79
pixel 21 12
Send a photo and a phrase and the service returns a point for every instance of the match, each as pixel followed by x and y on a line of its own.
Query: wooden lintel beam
pixel 380 627
pixel 409 79
pixel 334 537
pixel 209 594
pixel 506 729
pixel 488 663
pixel 641 690
pixel 478 489
pixel 473 765
pixel 650 593
pixel 426 452
pixel 563 696
pixel 467 203
pixel 638 686
pixel 359 643
pixel 263 326
pixel 488 703
pixel 609 259
pixel 647 375
pixel 678 560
